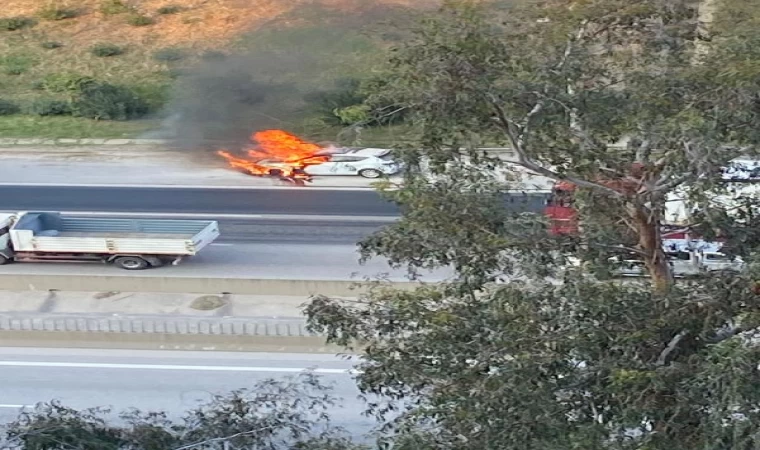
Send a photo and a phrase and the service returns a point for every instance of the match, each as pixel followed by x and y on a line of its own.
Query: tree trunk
pixel 650 243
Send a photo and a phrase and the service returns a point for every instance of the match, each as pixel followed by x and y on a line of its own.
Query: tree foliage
pixel 271 415
pixel 560 83
pixel 520 349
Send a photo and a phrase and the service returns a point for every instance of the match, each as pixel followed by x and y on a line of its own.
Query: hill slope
pixel 148 44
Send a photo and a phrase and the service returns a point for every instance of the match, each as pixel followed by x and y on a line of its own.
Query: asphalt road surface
pixel 283 261
pixel 296 201
pixel 160 380
pixel 304 230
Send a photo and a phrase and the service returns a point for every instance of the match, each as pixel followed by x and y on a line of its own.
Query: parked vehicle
pixel 131 244
pixel 684 264
pixel 364 165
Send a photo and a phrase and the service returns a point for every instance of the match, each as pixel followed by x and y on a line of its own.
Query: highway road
pixel 289 201
pixel 273 260
pixel 160 380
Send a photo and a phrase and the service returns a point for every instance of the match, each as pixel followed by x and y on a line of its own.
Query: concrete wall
pixel 302 288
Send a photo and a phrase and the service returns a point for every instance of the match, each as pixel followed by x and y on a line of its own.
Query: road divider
pixel 195 285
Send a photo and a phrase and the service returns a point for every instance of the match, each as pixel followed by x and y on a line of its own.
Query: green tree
pixel 519 349
pixel 271 415
pixel 561 83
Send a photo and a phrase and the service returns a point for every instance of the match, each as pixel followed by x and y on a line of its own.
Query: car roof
pixel 356 151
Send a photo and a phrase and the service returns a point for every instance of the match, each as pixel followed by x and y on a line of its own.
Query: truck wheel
pixel 131 263
pixel 370 173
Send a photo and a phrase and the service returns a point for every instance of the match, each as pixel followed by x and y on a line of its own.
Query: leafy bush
pixel 169 9
pixel 15 64
pixel 138 20
pixel 54 13
pixel 155 95
pixel 65 82
pixel 51 45
pixel 103 101
pixel 14 70
pixel 16 23
pixel 8 107
pixel 345 94
pixel 106 50
pixel 170 54
pixel 113 7
pixel 50 107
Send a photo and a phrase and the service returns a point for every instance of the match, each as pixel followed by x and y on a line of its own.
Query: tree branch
pixel 644 151
pixel 670 348
pixel 662 186
pixel 525 161
pixel 518 132
pixel 224 438
pixel 569 46
pixel 727 333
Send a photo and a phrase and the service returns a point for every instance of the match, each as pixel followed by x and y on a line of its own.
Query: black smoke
pixel 222 101
pixel 271 78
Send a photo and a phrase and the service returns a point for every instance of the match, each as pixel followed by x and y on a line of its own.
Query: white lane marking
pixel 174 367
pixel 221 245
pixel 292 217
pixel 3 405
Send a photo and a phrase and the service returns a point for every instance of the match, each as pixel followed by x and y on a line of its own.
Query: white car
pixel 367 163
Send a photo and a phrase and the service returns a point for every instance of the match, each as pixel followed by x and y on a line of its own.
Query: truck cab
pixel 6 246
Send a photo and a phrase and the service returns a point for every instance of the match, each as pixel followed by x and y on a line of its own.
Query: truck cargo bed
pixel 60 233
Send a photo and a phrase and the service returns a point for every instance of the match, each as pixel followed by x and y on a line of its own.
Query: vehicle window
pixel 346 158
pixel 682 256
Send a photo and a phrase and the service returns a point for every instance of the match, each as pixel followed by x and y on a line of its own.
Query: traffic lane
pixel 284 261
pixel 301 201
pixel 156 381
pixel 296 201
pixel 297 230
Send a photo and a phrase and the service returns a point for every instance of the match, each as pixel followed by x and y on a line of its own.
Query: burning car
pixel 282 155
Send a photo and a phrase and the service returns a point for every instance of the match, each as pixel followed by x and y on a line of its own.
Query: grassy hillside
pixel 148 45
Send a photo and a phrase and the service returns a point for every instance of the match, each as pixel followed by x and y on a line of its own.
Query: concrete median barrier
pixel 246 286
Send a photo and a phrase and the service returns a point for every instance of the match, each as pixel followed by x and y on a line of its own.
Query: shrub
pixel 50 107
pixel 51 45
pixel 16 23
pixel 113 7
pixel 15 64
pixel 54 13
pixel 65 82
pixel 8 107
pixel 154 95
pixel 138 20
pixel 169 9
pixel 105 101
pixel 169 54
pixel 14 69
pixel 106 50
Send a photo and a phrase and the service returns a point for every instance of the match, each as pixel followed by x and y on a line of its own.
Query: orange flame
pixel 278 154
